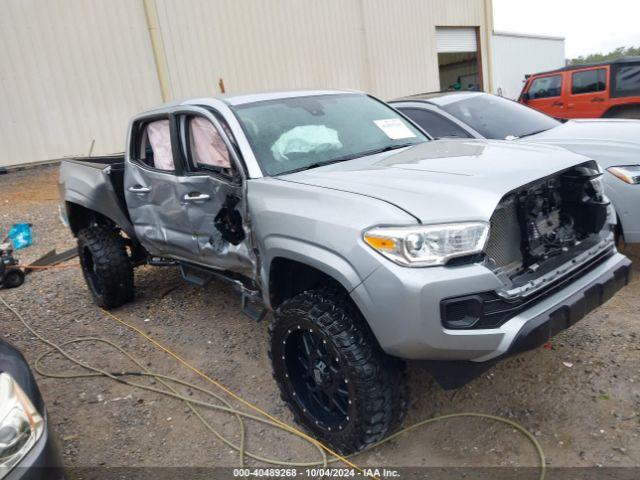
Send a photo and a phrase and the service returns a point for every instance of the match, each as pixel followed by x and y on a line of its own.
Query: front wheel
pixel 333 374
pixel 106 266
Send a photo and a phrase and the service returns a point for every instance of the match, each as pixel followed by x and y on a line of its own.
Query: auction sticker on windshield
pixel 394 128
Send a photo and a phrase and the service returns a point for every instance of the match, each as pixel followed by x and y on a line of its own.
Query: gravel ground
pixel 580 397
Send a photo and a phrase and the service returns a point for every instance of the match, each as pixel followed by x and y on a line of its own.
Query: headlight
pixel 428 245
pixel 628 174
pixel 20 424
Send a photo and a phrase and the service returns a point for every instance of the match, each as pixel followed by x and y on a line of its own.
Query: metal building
pixel 72 72
pixel 516 55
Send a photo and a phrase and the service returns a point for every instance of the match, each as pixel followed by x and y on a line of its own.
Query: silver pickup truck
pixel 370 242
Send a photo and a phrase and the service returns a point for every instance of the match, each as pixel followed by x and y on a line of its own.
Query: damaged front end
pixel 548 229
pixel 543 236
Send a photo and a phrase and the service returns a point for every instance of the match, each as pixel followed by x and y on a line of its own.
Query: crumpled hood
pixel 610 142
pixel 444 180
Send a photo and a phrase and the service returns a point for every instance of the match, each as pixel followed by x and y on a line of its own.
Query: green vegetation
pixel 603 57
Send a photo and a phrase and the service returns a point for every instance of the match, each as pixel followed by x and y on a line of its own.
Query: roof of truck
pixel 244 98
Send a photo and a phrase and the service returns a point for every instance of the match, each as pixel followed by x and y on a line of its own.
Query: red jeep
pixel 609 89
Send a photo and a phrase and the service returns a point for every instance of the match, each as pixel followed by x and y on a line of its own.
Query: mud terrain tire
pixel 106 266
pixel 376 389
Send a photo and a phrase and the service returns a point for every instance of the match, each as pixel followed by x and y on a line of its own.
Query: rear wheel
pixel 13 278
pixel 332 373
pixel 632 111
pixel 106 266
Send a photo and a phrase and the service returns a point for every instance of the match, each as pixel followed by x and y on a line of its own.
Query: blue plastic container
pixel 21 235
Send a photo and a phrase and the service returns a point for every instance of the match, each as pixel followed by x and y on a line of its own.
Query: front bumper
pixel 540 329
pixel 43 462
pixel 402 306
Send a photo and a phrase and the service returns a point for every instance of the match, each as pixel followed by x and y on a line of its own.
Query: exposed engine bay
pixel 548 229
pixel 539 228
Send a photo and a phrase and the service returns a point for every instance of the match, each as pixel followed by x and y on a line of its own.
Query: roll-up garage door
pixel 456 39
pixel 459 58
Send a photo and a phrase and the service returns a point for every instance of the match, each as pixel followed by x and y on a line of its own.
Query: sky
pixel 589 26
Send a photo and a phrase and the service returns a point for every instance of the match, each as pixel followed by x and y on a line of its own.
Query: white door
pixel 456 39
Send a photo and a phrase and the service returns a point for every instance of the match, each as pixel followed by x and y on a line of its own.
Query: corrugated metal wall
pixel 514 56
pixel 400 41
pixel 277 44
pixel 71 71
pixel 76 70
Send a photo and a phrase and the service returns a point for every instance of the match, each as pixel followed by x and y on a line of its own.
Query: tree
pixel 603 57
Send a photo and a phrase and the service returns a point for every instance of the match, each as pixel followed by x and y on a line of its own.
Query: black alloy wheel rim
pixel 317 378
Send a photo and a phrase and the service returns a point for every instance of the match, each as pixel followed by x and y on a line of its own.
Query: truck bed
pixel 96 183
pixel 99 162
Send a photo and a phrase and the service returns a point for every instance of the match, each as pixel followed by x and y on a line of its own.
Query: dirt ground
pixel 580 398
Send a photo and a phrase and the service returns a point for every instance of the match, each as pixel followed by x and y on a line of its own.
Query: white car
pixel 613 143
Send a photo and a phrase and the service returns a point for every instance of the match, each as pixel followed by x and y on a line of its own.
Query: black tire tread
pixel 13 278
pixel 114 267
pixel 380 380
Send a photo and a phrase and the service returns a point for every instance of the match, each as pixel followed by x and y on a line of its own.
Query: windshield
pixel 499 118
pixel 305 132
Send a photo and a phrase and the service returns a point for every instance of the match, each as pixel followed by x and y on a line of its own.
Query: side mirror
pixel 526 97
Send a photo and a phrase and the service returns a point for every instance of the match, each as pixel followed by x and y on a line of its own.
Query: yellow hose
pixel 224 405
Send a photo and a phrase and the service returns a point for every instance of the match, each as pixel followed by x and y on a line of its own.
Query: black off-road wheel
pixel 106 266
pixel 332 373
pixel 13 278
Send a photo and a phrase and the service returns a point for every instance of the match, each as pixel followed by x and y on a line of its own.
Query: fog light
pixel 461 312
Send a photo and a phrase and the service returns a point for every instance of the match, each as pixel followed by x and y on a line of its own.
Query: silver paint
pixel 317 217
pixel 610 142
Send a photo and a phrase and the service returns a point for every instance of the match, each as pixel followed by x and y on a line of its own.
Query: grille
pixel 503 245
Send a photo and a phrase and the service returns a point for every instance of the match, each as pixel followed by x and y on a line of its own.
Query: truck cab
pixel 184 175
pixel 369 242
